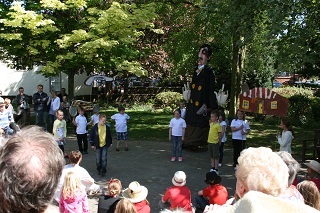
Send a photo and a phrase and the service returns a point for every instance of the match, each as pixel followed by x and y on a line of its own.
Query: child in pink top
pixel 73 197
pixel 179 195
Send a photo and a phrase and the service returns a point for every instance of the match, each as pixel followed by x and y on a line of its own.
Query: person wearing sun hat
pixel 137 194
pixel 179 195
pixel 313 172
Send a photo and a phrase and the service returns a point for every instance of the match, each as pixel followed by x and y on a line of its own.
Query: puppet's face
pixel 203 56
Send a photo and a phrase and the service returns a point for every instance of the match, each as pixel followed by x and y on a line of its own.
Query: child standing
pixel 81 123
pixel 215 193
pixel 179 195
pixel 59 130
pixel 73 196
pixel 121 126
pixel 101 140
pixel 176 134
pixel 223 124
pixel 94 119
pixel 285 139
pixel 240 128
pixel 214 140
pixel 182 109
pixel 64 106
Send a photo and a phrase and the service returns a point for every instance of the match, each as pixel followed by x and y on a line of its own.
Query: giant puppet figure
pixel 202 101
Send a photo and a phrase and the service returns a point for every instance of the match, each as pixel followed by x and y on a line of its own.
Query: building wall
pixel 12 79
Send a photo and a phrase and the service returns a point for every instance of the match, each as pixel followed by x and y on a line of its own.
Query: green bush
pixel 299 109
pixel 315 108
pixel 292 91
pixel 168 100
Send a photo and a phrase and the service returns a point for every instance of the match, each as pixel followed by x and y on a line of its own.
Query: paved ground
pixel 149 163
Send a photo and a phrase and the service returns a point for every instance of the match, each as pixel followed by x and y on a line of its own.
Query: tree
pixel 75 36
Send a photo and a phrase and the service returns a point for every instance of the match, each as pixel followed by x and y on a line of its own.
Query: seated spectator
pixel 125 206
pixel 291 193
pixel 310 193
pixel 6 118
pixel 215 193
pixel 30 167
pixel 313 172
pixel 260 185
pixel 108 201
pixel 259 202
pixel 75 158
pixel 137 194
pixel 73 197
pixel 179 195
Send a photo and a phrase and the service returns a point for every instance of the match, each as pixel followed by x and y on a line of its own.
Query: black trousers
pixel 238 146
pixel 82 138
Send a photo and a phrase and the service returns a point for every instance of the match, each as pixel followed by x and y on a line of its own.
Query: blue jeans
pixel 201 201
pixel 101 159
pixel 6 130
pixel 41 119
pixel 176 145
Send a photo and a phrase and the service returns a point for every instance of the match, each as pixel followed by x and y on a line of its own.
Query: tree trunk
pixel 71 75
pixel 238 60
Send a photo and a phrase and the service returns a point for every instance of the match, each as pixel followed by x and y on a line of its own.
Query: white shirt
pixel 5 118
pixel 95 119
pixel 223 124
pixel 177 125
pixel 81 122
pixel 285 141
pixel 81 172
pixel 55 105
pixel 183 113
pixel 121 121
pixel 238 134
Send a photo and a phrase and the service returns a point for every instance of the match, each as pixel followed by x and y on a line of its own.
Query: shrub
pixel 292 91
pixel 168 100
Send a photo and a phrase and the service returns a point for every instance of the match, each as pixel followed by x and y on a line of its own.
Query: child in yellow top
pixel 214 140
pixel 59 130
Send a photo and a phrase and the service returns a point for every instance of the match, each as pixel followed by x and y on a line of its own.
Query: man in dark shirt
pixel 40 101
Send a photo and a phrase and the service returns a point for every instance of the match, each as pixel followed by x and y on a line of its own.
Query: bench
pixel 311 145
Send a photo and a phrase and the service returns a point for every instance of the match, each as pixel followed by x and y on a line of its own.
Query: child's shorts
pixel 122 136
pixel 213 149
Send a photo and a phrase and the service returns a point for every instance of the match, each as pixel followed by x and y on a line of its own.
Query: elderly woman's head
pixel 261 170
pixel 292 165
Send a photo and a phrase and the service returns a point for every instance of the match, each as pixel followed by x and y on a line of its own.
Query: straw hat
pixel 135 192
pixel 314 165
pixel 179 178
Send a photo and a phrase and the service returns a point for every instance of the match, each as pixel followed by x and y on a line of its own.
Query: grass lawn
pixel 153 126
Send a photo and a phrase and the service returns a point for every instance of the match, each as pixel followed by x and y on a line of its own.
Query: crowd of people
pixel 35 178
pixel 30 180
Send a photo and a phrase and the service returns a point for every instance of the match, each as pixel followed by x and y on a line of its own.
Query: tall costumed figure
pixel 201 100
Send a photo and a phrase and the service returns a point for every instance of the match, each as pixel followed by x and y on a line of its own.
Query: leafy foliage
pixel 168 100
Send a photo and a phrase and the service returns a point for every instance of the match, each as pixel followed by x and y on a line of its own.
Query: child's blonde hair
pixel 125 206
pixel 114 187
pixel 7 101
pixel 71 185
pixel 310 193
